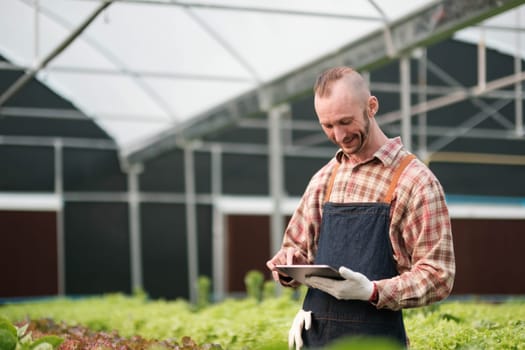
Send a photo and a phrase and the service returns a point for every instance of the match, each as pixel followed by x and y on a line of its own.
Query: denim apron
pixel 355 235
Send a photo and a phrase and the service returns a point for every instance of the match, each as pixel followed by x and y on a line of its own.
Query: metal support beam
pixel 422 98
pixel 452 98
pixel 138 73
pixel 254 9
pixel 482 61
pixel 134 225
pixel 30 74
pixel 61 238
pixel 219 247
pixel 435 22
pixel 40 112
pixel 276 168
pixel 377 86
pixel 235 54
pixel 36 29
pixel 72 142
pixel 191 222
pixel 481 86
pixel 406 120
pixel 467 125
pixel 477 158
pixel 518 89
pixel 463 131
pixel 141 83
pixel 73 114
pixel 390 49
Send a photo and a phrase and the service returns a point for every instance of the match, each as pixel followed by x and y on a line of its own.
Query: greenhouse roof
pixel 146 69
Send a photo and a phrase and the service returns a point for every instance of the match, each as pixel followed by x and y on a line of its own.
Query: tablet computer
pixel 300 272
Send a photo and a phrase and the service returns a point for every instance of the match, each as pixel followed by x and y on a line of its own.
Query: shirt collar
pixel 387 154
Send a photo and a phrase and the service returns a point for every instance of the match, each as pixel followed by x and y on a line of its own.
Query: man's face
pixel 344 119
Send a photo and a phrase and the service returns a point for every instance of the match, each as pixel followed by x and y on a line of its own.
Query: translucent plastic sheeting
pixel 143 66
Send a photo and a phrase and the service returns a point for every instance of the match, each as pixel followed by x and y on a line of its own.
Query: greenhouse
pixel 148 144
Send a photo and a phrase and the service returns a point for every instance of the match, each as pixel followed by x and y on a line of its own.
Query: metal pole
pixel 406 127
pixel 59 190
pixel 29 74
pixel 218 225
pixel 36 30
pixel 518 101
pixel 482 61
pixel 422 97
pixel 191 222
pixel 134 226
pixel 276 173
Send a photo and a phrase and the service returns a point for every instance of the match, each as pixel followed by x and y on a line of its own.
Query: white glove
pixel 355 285
pixel 303 319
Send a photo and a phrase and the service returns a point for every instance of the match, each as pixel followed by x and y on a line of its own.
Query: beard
pixel 361 137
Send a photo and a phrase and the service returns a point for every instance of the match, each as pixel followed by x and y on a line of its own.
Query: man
pixel 373 211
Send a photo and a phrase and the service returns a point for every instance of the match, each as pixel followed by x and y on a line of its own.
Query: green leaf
pixel 7 325
pixel 7 340
pixel 27 338
pixel 21 331
pixel 358 343
pixel 450 317
pixel 42 346
pixel 52 340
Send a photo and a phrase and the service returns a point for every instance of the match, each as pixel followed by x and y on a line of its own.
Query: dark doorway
pixel 28 253
pixel 489 256
pixel 248 248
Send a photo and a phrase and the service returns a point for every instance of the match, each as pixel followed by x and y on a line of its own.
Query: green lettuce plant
pixel 19 338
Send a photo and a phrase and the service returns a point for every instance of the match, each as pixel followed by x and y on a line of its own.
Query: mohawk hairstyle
pixel 325 80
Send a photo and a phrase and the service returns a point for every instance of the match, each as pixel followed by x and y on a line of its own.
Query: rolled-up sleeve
pixel 422 242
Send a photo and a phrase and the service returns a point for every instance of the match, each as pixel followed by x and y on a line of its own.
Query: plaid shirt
pixel 420 230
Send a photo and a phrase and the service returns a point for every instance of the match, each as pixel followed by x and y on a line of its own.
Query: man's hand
pixel 303 319
pixel 285 256
pixel 355 285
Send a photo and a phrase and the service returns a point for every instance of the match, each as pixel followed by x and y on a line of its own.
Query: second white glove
pixel 303 319
pixel 355 286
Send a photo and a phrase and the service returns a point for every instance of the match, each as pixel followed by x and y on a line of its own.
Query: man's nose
pixel 339 133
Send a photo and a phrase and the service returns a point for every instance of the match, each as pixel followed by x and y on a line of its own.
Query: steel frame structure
pixel 395 41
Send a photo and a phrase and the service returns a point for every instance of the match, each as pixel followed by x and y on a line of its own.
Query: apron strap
pixel 331 182
pixel 393 184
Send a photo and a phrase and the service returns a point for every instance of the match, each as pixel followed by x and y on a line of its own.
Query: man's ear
pixel 373 106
